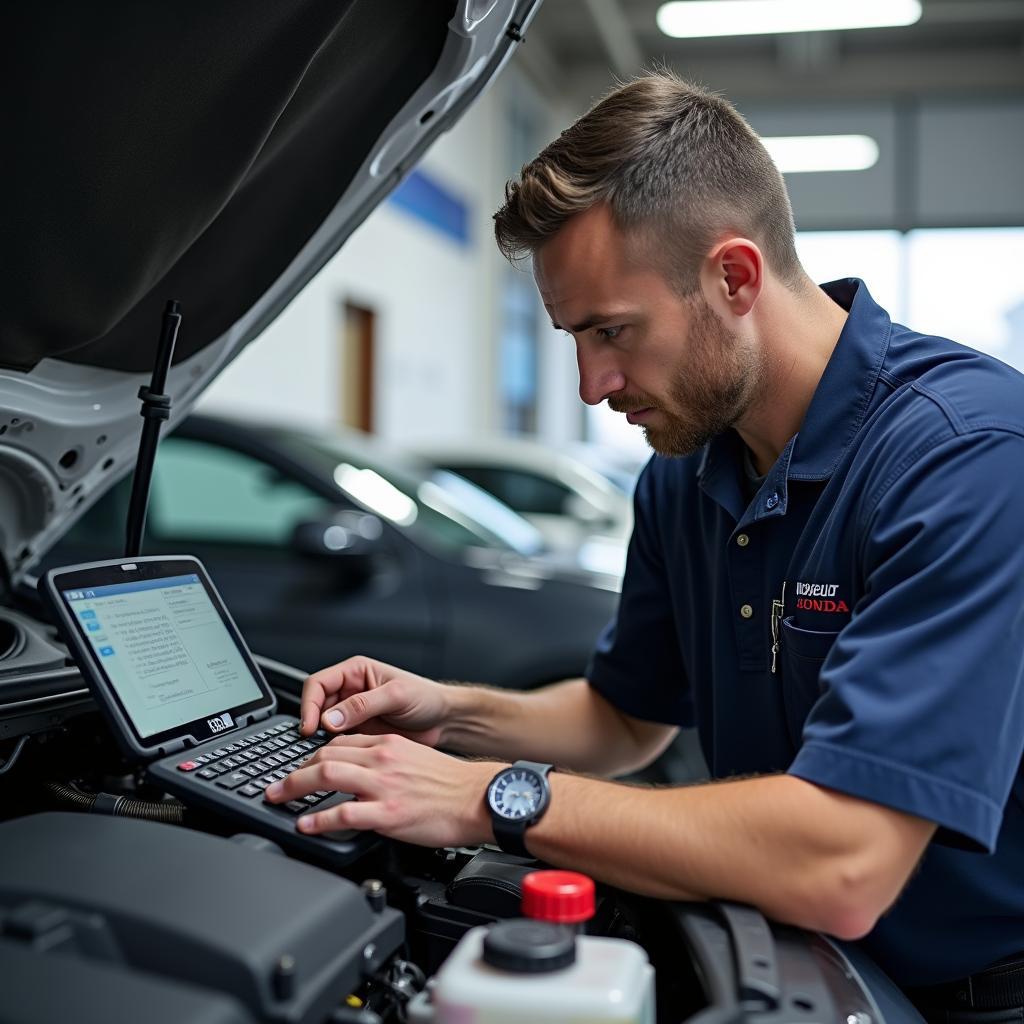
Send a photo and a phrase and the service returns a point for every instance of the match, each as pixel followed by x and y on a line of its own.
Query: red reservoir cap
pixel 566 897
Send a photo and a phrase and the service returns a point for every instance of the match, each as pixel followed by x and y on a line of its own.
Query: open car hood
pixel 216 154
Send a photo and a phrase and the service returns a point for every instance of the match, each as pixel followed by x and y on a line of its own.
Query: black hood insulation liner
pixel 156 149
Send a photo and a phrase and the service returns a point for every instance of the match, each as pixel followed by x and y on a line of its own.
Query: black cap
pixel 530 947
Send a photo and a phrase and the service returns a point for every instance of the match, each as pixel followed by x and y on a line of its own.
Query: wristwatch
pixel 517 798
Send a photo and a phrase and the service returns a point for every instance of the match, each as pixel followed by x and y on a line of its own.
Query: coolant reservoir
pixel 541 971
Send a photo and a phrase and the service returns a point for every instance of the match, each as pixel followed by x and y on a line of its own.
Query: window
pixel 202 492
pixel 518 341
pixel 959 283
pixel 874 256
pixel 527 493
pixel 518 354
pixel 436 511
pixel 966 284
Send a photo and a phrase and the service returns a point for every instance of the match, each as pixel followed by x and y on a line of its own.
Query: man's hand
pixel 367 696
pixel 404 790
pixel 567 722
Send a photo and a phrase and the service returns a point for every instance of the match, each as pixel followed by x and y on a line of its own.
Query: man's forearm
pixel 566 723
pixel 801 854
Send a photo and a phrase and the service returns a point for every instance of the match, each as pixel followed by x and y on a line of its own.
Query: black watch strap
pixel 510 834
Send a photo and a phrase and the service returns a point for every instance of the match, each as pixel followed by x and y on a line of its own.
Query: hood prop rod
pixel 156 407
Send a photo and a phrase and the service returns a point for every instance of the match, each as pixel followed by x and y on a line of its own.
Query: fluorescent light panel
pixel 796 154
pixel 692 19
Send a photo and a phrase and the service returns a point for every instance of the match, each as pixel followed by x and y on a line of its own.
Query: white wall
pixel 437 304
pixel 434 303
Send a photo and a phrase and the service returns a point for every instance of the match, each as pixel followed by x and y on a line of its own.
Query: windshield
pixel 440 509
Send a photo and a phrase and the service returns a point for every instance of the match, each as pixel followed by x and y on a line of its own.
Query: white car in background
pixel 575 505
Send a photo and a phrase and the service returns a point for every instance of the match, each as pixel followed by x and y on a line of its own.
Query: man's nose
pixel 599 377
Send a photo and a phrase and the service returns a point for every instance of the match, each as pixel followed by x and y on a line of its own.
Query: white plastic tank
pixel 540 970
pixel 611 980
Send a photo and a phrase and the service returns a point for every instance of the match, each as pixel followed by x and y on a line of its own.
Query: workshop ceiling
pixel 957 47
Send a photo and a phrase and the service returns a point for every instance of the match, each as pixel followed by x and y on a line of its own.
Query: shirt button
pixel 743 540
pixel 746 611
pixel 772 502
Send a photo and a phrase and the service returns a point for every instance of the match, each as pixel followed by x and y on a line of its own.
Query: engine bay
pixel 118 902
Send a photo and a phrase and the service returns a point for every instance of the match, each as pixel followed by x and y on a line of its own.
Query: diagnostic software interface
pixel 165 650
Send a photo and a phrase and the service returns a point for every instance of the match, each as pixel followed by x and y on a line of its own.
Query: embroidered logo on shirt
pixel 819 597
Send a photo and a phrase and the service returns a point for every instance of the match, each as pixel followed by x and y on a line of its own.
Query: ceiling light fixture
pixel 798 154
pixel 691 19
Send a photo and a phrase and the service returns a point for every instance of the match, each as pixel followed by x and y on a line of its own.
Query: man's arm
pixel 800 853
pixel 568 723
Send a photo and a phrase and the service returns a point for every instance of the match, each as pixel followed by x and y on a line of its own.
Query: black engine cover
pixel 286 940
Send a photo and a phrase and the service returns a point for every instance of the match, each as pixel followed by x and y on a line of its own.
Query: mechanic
pixel 826 578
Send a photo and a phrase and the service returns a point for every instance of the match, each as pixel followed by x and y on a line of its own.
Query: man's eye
pixel 609 332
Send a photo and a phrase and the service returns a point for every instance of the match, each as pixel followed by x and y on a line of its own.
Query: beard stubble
pixel 708 393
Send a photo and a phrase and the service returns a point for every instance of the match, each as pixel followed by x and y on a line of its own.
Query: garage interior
pixel 373 452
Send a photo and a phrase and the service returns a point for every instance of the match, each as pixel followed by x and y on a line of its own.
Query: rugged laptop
pixel 184 697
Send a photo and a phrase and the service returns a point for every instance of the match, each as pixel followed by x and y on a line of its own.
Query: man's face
pixel 670 364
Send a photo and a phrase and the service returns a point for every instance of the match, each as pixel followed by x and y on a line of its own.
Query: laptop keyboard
pixel 248 764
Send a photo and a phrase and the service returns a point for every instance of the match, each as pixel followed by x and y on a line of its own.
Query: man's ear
pixel 733 275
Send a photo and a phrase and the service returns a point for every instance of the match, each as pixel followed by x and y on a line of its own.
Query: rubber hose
pixel 121 807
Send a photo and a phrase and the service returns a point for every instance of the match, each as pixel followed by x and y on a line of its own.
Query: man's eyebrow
pixel 592 320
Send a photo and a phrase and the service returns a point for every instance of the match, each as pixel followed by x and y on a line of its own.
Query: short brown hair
pixel 677 165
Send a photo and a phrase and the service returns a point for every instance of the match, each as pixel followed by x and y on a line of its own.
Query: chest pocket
pixel 803 653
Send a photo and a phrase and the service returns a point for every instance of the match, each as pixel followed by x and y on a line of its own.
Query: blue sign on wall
pixel 430 202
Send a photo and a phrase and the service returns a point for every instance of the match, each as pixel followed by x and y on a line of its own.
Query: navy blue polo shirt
pixel 889 534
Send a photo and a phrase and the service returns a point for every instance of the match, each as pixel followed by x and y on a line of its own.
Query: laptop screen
pixel 165 649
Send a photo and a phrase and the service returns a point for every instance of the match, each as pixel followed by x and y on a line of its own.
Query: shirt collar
pixel 837 410
pixel 843 395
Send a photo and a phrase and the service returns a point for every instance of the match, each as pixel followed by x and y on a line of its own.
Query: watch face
pixel 517 793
